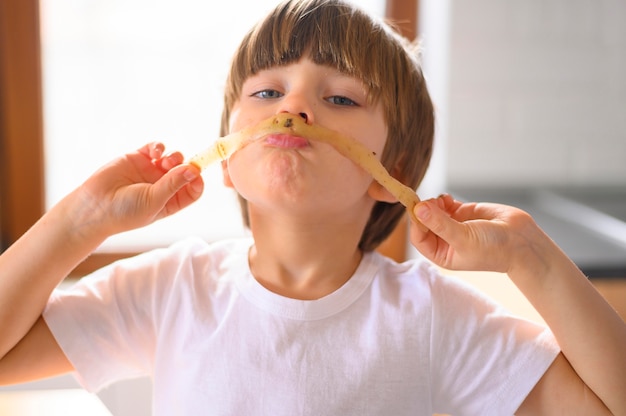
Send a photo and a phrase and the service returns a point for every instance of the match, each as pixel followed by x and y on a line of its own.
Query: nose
pixel 300 103
pixel 306 116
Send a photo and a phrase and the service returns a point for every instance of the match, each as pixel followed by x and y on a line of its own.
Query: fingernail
pixel 190 174
pixel 422 211
pixel 167 163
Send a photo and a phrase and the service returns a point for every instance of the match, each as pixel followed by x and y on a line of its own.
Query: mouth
pixel 288 131
pixel 286 141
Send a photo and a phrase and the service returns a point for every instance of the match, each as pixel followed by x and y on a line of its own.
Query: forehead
pixel 334 35
pixel 307 66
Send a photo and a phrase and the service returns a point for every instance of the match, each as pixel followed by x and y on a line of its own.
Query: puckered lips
pixel 286 141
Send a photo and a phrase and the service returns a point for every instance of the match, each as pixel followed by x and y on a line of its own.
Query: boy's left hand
pixel 473 236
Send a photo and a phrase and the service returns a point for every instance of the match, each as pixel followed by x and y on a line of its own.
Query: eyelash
pixel 345 101
pixel 262 93
pixel 339 100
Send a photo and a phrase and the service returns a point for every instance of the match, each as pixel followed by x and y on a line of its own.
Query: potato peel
pixel 286 123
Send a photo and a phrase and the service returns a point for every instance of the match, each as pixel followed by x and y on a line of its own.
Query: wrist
pixel 533 252
pixel 80 220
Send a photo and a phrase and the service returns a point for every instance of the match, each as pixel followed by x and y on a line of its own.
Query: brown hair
pixel 338 34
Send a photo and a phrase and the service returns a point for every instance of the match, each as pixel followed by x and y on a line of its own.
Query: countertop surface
pixel 53 402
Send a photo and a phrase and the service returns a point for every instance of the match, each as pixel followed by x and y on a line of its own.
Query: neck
pixel 304 261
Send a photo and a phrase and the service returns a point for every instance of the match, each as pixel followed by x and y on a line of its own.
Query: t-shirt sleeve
pixel 107 323
pixel 484 360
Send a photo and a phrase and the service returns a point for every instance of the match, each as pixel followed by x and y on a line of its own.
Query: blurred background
pixel 530 97
pixel 537 93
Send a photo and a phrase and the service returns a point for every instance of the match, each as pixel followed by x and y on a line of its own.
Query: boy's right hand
pixel 131 191
pixel 135 190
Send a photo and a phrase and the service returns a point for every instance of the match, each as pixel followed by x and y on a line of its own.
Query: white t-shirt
pixel 396 339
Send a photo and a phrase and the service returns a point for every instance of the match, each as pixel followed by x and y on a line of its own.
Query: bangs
pixel 341 37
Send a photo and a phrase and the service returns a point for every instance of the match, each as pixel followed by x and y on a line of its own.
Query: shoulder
pixel 192 254
pixel 194 248
pixel 476 347
pixel 420 277
pixel 215 255
pixel 452 305
pixel 186 263
pixel 405 288
pixel 409 271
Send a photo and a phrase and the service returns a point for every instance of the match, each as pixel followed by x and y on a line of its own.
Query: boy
pixel 304 318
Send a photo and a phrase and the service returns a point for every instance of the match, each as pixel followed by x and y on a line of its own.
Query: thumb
pixel 437 220
pixel 182 181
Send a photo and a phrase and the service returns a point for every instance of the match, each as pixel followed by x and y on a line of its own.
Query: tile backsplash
pixel 537 92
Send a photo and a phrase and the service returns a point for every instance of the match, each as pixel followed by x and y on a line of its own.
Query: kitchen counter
pixel 61 402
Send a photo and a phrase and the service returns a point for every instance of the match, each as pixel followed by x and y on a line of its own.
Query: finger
pixel 438 221
pixel 479 211
pixel 178 188
pixel 448 203
pixel 462 212
pixel 152 150
pixel 169 161
pixel 419 231
pixel 429 244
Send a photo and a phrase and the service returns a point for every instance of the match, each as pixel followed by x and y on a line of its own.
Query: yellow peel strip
pixel 285 123
pixel 225 146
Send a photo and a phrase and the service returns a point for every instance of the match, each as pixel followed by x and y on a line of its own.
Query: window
pixel 118 74
pixel 133 71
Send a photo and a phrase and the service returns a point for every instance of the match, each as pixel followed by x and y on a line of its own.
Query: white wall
pixel 537 92
pixel 434 26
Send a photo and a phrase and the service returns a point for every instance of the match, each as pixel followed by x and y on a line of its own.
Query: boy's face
pixel 284 174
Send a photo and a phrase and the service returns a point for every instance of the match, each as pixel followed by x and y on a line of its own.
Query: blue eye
pixel 267 94
pixel 340 100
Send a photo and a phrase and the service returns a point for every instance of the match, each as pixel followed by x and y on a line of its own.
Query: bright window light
pixel 120 73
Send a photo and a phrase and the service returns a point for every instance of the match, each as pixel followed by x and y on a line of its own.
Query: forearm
pixel 591 334
pixel 35 264
pixel 130 192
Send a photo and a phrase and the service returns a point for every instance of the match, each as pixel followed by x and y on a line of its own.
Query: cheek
pixel 233 119
pixel 377 140
pixel 234 177
pixel 258 174
pixel 290 180
pixel 226 175
pixel 375 134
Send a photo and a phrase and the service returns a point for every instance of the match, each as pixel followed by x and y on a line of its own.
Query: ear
pixel 226 175
pixel 380 193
